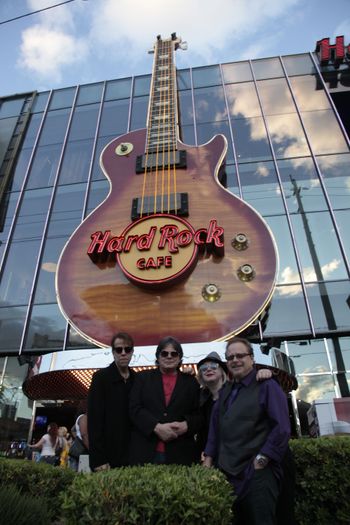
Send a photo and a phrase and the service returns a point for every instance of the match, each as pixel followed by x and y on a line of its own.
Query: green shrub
pixel 154 494
pixel 37 479
pixel 21 509
pixel 323 480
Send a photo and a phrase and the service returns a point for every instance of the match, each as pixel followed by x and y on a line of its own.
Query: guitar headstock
pixel 176 41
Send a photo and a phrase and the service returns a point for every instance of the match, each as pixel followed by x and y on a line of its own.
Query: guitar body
pixel 99 300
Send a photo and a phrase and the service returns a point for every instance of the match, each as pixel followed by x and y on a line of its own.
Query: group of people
pixel 231 417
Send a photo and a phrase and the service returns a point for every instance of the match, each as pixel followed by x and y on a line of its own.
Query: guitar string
pixel 161 126
pixel 174 121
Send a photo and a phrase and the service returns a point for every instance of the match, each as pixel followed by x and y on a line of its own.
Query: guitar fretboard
pixel 162 111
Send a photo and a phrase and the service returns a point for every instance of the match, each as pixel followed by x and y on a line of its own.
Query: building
pixel 287 125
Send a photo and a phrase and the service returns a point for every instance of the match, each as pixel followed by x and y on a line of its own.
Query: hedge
pixel 174 495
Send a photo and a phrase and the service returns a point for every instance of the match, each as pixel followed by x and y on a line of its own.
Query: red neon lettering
pixel 129 241
pixel 115 244
pixel 145 241
pixel 151 263
pixel 141 264
pixel 329 52
pixel 168 233
pixel 168 261
pixel 200 236
pixel 215 234
pixel 98 241
pixel 184 238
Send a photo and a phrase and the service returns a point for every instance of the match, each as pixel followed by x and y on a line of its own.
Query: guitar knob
pixel 124 148
pixel 211 293
pixel 246 272
pixel 240 242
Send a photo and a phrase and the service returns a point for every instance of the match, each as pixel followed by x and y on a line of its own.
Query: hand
pixel 165 432
pixel 180 427
pixel 106 466
pixel 207 461
pixel 263 374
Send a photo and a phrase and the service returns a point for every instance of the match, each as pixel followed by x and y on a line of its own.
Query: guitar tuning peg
pixel 183 46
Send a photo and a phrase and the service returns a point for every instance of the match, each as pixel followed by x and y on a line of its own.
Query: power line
pixel 35 12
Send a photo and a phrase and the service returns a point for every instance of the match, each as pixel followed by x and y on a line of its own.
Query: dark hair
pixel 239 340
pixel 169 341
pixel 125 337
pixel 52 431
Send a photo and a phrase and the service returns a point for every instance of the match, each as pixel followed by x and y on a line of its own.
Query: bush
pixel 153 494
pixel 22 509
pixel 37 479
pixel 323 481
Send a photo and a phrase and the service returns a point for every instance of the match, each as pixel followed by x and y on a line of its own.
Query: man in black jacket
pixel 108 401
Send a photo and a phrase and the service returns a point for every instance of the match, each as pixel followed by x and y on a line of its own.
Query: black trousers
pixel 258 507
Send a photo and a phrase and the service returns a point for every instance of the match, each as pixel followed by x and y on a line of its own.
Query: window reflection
pixel 45 288
pixel 97 193
pixel 330 310
pixel 17 277
pixel 343 221
pixel 11 328
pixel 309 356
pixel 243 100
pixel 210 104
pixel 32 214
pixel 318 248
pixel 187 135
pixel 118 89
pixel 336 174
pixel 89 93
pixel 309 93
pixel 44 167
pixel 75 340
pixel 342 344
pixel 40 102
pixel 6 214
pixel 301 185
pixel 97 172
pixel 288 269
pixel 298 64
pixel 142 85
pixel 206 76
pixel 11 107
pixel 287 299
pixel 21 169
pixel 267 68
pixel 185 107
pixel 236 72
pixel 46 328
pixel 231 178
pixel 287 136
pixel 139 113
pixel 114 118
pixel 260 187
pixel 250 139
pixel 206 132
pixel 84 121
pixel 76 162
pixel 315 387
pixel 183 79
pixel 54 128
pixel 324 132
pixel 275 96
pixel 66 213
pixel 32 130
pixel 62 98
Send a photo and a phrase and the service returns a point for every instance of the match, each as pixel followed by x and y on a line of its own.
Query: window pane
pixel 301 185
pixel 139 113
pixel 6 214
pixel 118 89
pixel 288 270
pixel 343 221
pixel 187 135
pixel 183 79
pixel 206 132
pixel 318 247
pixel 309 356
pixel 76 162
pixel 324 132
pixel 97 173
pixel 6 130
pixel 20 169
pixel 329 307
pixel 206 76
pixel 32 214
pixel 238 72
pixel 67 209
pixel 44 166
pixel 55 127
pixel 315 387
pixel 62 98
pixel 260 187
pixel 11 107
pixel 75 340
pixel 275 97
pixel 98 192
pixel 342 344
pixel 32 130
pixel 231 178
pixel 45 288
pixel 287 299
pixel 309 93
pixel 250 139
pixel 46 328
pixel 336 175
pixel 84 122
pixel 90 93
pixel 17 278
pixel 267 68
pixel 298 65
pixel 242 100
pixel 11 327
pixel 40 102
pixel 287 136
pixel 142 85
pixel 114 119
pixel 185 107
pixel 210 104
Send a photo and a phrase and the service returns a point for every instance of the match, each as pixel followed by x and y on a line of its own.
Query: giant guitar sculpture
pixel 170 250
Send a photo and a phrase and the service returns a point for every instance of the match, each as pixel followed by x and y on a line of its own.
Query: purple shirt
pixel 274 402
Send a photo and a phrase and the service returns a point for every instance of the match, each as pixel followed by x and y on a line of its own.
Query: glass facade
pixel 288 156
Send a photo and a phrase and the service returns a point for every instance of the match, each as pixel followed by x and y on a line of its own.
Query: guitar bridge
pixel 160 160
pixel 164 204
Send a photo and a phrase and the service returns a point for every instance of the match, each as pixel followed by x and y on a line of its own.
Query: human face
pixel 211 372
pixel 122 359
pixel 168 359
pixel 239 368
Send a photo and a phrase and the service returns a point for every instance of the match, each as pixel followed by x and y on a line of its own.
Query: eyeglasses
pixel 119 349
pixel 164 353
pixel 208 366
pixel 237 356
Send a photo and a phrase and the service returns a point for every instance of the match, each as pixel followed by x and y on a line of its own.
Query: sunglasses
pixel 164 353
pixel 209 366
pixel 237 356
pixel 119 349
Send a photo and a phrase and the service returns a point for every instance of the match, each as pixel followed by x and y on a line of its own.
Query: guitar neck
pixel 162 119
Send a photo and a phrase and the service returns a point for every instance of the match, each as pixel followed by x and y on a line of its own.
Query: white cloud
pixel 288 276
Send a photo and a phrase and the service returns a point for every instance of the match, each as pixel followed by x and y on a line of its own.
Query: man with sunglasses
pixel 248 436
pixel 164 410
pixel 108 401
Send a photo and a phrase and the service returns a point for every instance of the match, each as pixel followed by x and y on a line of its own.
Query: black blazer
pixel 147 408
pixel 108 417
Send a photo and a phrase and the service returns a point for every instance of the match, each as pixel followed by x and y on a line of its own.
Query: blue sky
pixel 92 40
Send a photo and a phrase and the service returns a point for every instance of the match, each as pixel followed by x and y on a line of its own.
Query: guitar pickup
pixel 164 204
pixel 160 160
